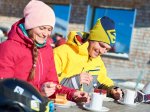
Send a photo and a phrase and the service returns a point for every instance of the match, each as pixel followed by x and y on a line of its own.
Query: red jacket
pixel 16 60
pixel 60 42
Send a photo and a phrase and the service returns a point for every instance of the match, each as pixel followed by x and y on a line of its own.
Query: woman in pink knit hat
pixel 27 55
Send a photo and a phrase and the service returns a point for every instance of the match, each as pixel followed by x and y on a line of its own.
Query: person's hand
pixel 48 88
pixel 85 78
pixel 117 93
pixel 80 96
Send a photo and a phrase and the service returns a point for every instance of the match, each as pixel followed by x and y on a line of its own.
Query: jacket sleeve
pixel 102 77
pixel 52 76
pixel 72 82
pixel 60 58
pixel 7 60
pixel 65 90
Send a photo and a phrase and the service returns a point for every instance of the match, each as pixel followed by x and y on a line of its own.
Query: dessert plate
pixel 121 102
pixel 66 105
pixel 87 107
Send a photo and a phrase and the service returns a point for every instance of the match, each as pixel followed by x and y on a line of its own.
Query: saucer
pixel 121 102
pixel 108 99
pixel 104 109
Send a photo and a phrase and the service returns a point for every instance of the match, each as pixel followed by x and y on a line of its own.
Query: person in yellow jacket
pixel 78 62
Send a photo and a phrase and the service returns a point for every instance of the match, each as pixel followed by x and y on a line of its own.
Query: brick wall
pixel 140 43
pixel 12 7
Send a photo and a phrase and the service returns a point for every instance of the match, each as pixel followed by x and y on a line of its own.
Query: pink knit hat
pixel 37 13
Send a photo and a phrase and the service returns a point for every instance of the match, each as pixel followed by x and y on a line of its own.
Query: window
pixel 62 13
pixel 124 20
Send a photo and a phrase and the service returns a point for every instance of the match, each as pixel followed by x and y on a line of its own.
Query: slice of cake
pixel 61 99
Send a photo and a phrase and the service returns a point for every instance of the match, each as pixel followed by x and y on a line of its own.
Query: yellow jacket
pixel 72 58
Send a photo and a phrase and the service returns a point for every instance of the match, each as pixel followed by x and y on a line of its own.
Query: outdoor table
pixel 113 106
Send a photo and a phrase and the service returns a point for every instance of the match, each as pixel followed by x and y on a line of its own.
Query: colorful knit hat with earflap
pixel 104 31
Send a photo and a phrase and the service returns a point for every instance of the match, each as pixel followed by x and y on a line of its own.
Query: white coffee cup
pixel 129 96
pixel 146 88
pixel 96 101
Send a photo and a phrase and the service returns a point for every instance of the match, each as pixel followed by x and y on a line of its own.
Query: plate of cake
pixel 61 101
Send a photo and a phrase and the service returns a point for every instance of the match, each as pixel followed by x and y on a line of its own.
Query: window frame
pixel 90 19
pixel 67 24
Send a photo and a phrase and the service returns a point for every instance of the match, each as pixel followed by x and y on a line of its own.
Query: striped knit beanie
pixel 104 31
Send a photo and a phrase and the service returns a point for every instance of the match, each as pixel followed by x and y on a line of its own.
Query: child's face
pixel 40 34
pixel 97 48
